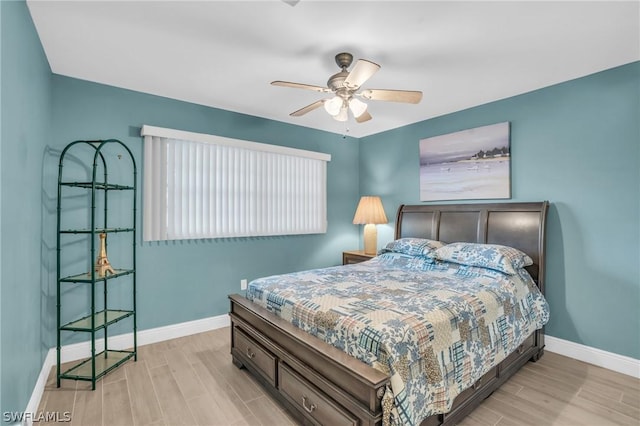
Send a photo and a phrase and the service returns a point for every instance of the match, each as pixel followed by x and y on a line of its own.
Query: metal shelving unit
pixel 99 314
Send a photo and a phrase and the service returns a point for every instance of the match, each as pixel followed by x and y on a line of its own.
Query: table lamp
pixel 370 213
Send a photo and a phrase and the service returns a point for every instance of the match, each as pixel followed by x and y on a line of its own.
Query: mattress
pixel 434 327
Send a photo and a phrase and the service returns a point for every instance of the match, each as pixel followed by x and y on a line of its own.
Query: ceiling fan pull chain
pixel 346 130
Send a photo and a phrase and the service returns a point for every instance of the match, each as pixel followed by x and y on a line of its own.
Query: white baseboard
pixel 609 360
pixel 622 364
pixel 145 337
pixel 38 389
pixel 82 350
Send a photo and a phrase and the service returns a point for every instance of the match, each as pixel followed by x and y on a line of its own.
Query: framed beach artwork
pixel 471 164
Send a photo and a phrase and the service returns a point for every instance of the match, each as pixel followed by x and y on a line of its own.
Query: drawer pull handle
pixel 310 408
pixel 250 354
pixel 477 384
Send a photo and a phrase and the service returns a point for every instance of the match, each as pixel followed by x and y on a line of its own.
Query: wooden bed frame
pixel 319 384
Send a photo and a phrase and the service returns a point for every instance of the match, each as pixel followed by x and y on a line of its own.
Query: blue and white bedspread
pixel 434 327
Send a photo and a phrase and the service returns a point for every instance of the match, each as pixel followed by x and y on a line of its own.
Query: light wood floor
pixel 191 381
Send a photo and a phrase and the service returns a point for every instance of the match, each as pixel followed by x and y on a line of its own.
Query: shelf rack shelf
pixel 86 277
pixel 97 318
pixel 101 319
pixel 95 231
pixel 91 369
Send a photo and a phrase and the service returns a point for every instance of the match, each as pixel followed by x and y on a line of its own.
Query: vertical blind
pixel 204 186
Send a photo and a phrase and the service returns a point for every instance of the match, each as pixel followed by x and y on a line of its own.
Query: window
pixel 204 186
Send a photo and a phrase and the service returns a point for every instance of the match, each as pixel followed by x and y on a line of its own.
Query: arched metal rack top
pixel 97 145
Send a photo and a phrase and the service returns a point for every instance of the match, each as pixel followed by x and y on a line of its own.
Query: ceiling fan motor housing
pixel 336 83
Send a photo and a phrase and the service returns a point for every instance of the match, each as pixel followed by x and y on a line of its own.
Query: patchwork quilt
pixel 434 327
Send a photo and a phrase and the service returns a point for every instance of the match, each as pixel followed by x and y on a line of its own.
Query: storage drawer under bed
pixel 529 343
pixel 312 402
pixel 253 354
pixel 483 381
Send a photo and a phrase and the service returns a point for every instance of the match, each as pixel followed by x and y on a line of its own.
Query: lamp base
pixel 370 239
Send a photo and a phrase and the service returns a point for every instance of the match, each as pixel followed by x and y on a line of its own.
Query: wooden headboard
pixel 519 225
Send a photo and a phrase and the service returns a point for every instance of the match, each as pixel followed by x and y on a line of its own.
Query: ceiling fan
pixel 345 86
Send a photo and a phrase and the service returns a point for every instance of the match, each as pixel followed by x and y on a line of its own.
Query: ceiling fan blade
pixel 361 72
pixel 308 108
pixel 301 86
pixel 365 116
pixel 407 96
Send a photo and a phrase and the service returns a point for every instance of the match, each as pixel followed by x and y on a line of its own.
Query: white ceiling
pixel 224 54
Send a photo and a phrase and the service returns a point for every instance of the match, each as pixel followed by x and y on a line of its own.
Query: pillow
pixel 493 256
pixel 413 247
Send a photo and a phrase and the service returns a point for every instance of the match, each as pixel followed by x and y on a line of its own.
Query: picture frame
pixel 470 164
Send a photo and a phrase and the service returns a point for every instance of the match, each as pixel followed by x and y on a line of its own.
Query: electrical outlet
pixel 243 284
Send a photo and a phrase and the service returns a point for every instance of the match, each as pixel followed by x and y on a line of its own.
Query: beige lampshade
pixel 369 211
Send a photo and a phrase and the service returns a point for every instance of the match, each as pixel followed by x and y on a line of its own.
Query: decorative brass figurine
pixel 103 267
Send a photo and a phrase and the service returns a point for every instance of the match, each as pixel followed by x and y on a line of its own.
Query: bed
pixel 321 384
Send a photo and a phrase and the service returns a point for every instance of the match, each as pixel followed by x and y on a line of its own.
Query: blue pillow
pixel 493 256
pixel 413 247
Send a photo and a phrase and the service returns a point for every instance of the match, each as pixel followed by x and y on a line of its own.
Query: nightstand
pixel 355 256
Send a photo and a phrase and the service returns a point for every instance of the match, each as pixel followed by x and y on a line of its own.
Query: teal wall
pixel 1 127
pixel 575 144
pixel 187 280
pixel 26 124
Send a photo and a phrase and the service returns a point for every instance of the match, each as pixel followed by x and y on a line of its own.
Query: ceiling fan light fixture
pixel 345 86
pixel 357 107
pixel 342 115
pixel 333 105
